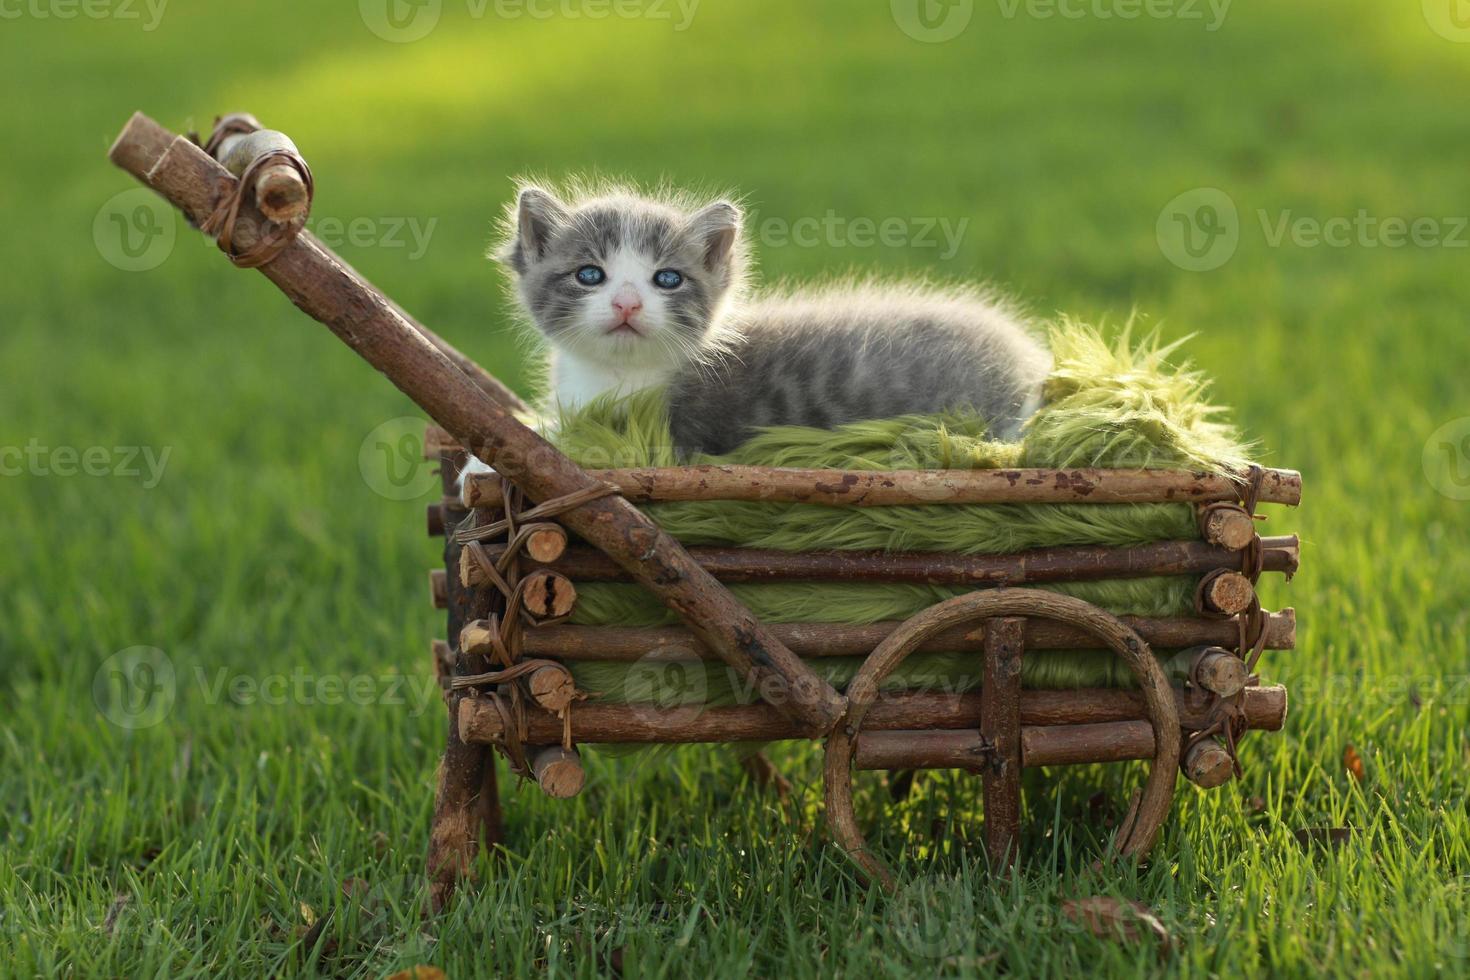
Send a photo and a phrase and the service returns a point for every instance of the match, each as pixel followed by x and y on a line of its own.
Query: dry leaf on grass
pixel 1115 918
pixel 1353 762
pixel 419 972
pixel 119 905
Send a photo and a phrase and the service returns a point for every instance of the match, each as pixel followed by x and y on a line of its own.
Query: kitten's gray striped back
pixel 631 292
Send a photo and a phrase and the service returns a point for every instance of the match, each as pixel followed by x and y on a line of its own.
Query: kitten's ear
pixel 716 226
pixel 538 216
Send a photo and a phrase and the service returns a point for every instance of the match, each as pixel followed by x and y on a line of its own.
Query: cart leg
pixel 1000 726
pixel 467 802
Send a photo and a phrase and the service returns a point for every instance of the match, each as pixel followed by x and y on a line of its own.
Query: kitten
pixel 630 292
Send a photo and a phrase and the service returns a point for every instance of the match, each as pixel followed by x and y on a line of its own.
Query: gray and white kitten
pixel 630 292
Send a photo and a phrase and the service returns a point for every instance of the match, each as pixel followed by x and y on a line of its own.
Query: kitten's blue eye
pixel 590 275
pixel 667 279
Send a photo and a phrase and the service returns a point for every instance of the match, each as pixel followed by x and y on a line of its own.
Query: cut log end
pixel 547 595
pixel 477 638
pixel 1227 594
pixel 1228 527
pixel 558 772
pixel 281 194
pixel 1207 764
pixel 552 688
pixel 546 544
pixel 471 575
pixel 1218 670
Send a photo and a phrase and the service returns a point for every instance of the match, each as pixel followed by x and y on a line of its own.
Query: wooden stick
pixel 548 543
pixel 595 723
pixel 547 595
pixel 1226 593
pixel 1207 764
pixel 467 797
pixel 322 286
pixel 1000 728
pixel 1227 526
pixel 1068 564
pixel 1212 668
pixel 558 772
pixel 280 192
pixel 439 588
pixel 862 488
pixel 1040 745
pixel 628 644
pixel 552 688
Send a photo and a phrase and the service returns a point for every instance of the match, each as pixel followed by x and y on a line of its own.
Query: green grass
pixel 262 552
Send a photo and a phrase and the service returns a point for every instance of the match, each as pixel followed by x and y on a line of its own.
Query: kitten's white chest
pixel 575 381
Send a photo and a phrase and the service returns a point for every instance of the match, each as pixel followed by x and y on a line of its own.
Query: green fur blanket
pixel 1116 404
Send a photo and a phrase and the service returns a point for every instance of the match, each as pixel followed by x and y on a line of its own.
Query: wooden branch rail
pixel 594 723
pixel 862 488
pixel 327 289
pixel 1072 564
pixel 631 643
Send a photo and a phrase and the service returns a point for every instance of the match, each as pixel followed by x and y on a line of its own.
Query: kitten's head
pixel 624 278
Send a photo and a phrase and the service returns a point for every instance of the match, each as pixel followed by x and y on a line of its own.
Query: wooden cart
pixel 518 541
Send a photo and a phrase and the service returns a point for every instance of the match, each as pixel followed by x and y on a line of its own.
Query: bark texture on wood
pixel 325 288
pixel 1000 726
pixel 629 644
pixel 467 799
pixel 595 723
pixel 862 488
pixel 1069 564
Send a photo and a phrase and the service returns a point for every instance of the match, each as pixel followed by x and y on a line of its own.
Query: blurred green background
pixel 1077 145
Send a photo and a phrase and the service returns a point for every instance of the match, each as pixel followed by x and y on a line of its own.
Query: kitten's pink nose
pixel 627 302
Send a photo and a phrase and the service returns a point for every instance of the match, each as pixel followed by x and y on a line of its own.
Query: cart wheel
pixel 1135 837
